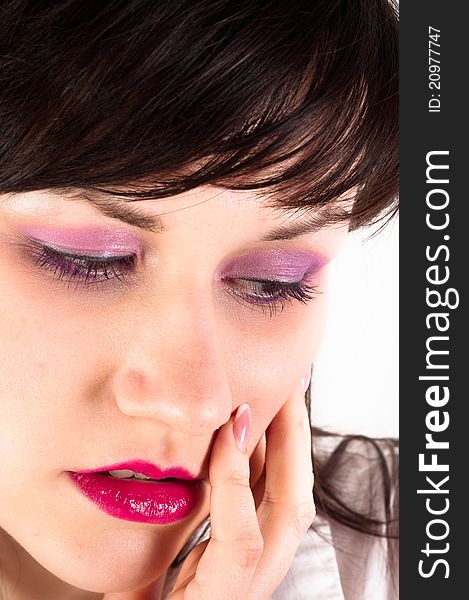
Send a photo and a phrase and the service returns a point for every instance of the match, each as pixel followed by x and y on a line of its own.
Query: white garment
pixel 355 569
pixel 334 562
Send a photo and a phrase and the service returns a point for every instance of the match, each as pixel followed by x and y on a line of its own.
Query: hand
pixel 252 544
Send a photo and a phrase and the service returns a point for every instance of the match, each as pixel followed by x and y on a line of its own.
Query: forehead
pixel 142 213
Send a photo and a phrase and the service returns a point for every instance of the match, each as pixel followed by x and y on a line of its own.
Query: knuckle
pixel 271 499
pixel 302 518
pixel 248 550
pixel 236 478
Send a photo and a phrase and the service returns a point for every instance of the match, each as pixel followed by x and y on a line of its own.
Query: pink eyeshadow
pixel 96 240
pixel 277 264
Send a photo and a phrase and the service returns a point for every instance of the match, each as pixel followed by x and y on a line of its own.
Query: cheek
pixel 269 361
pixel 45 365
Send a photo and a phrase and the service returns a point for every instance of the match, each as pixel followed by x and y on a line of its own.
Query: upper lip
pixel 146 468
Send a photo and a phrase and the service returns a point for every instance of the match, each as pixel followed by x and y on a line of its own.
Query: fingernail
pixel 305 381
pixel 242 426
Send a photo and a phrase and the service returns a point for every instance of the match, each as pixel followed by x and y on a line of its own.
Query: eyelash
pixel 87 271
pixel 279 295
pixel 81 269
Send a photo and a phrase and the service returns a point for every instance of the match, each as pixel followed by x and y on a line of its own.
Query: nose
pixel 173 371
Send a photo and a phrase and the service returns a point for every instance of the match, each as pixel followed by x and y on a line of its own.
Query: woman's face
pixel 146 364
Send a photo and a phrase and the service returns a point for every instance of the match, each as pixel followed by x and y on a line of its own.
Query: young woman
pixel 175 178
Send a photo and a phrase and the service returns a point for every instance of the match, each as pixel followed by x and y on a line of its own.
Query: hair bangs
pixel 146 100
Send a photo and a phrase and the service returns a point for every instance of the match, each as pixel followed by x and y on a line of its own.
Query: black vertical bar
pixel 433 268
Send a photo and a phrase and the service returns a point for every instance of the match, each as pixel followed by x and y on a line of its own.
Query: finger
pixel 287 508
pixel 227 566
pixel 259 489
pixel 187 571
pixel 257 467
pixel 257 460
pixel 289 445
pixel 256 481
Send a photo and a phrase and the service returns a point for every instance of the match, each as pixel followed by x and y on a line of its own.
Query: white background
pixel 355 381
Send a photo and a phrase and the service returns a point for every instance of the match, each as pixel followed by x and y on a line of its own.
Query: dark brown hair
pixel 146 99
pixel 130 93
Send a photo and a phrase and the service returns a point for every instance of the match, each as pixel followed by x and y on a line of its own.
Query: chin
pixel 121 573
pixel 115 560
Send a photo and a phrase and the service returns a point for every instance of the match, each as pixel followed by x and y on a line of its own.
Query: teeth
pixel 140 476
pixel 126 474
pixel 122 474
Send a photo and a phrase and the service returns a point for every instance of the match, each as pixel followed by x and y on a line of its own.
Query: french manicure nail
pixel 242 426
pixel 305 381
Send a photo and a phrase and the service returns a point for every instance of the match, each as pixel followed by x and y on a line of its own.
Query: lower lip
pixel 140 501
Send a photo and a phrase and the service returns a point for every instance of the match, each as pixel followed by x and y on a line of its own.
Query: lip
pixel 154 502
pixel 145 468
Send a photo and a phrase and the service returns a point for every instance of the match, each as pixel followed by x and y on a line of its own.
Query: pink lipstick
pixel 167 496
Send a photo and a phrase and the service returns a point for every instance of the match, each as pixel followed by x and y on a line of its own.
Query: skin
pixel 154 370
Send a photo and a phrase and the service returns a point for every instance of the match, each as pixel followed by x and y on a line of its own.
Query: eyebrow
pixel 125 212
pixel 312 224
pixel 133 215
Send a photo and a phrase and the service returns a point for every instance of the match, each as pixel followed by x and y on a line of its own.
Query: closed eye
pixel 85 271
pixel 271 294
